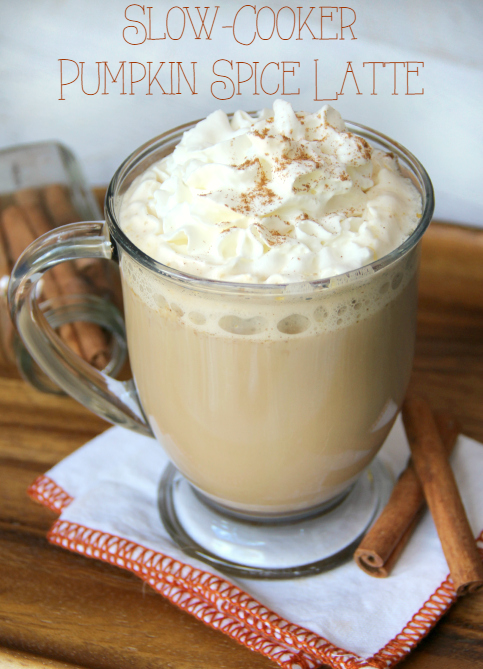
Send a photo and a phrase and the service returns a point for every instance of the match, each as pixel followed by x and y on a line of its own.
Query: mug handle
pixel 115 401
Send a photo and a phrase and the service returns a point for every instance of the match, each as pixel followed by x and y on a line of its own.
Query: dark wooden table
pixel 59 609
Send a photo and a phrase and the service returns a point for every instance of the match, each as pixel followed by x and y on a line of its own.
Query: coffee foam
pixel 298 310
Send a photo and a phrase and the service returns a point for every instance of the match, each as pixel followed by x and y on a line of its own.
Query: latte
pixel 271 398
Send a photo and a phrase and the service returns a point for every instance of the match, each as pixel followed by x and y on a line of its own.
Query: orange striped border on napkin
pixel 225 607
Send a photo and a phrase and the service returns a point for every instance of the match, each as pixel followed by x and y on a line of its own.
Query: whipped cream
pixel 277 198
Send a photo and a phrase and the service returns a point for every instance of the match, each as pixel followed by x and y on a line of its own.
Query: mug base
pixel 272 550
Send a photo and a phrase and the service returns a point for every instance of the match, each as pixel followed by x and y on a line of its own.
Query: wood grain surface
pixel 61 610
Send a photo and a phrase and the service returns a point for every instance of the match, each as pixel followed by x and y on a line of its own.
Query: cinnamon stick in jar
pixel 380 549
pixel 20 227
pixel 69 282
pixel 91 338
pixel 59 204
pixel 100 276
pixel 18 235
pixel 442 496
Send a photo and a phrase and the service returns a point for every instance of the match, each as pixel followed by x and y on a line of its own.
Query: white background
pixel 442 127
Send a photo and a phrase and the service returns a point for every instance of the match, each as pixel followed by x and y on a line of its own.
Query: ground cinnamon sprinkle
pixel 262 195
pixel 276 238
pixel 230 227
pixel 261 134
pixel 364 147
pixel 247 163
pixel 259 194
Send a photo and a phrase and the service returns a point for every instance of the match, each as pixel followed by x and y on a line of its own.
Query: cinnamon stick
pixel 381 547
pixel 442 496
pixel 91 338
pixel 20 227
pixel 66 277
pixel 59 204
pixel 90 272
pixel 97 273
pixel 25 196
pixel 18 236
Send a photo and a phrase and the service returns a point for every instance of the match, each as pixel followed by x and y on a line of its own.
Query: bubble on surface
pixel 161 301
pixel 242 326
pixel 197 318
pixel 384 288
pixel 293 324
pixel 278 318
pixel 177 310
pixel 320 314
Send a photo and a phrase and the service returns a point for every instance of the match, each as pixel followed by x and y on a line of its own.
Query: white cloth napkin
pixel 106 493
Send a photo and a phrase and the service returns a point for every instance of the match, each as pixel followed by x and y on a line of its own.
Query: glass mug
pixel 271 400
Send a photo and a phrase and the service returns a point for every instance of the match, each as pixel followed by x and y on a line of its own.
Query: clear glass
pixel 44 183
pixel 270 400
pixel 65 309
pixel 43 164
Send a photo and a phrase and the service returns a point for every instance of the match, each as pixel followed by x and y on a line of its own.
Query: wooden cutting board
pixel 61 610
